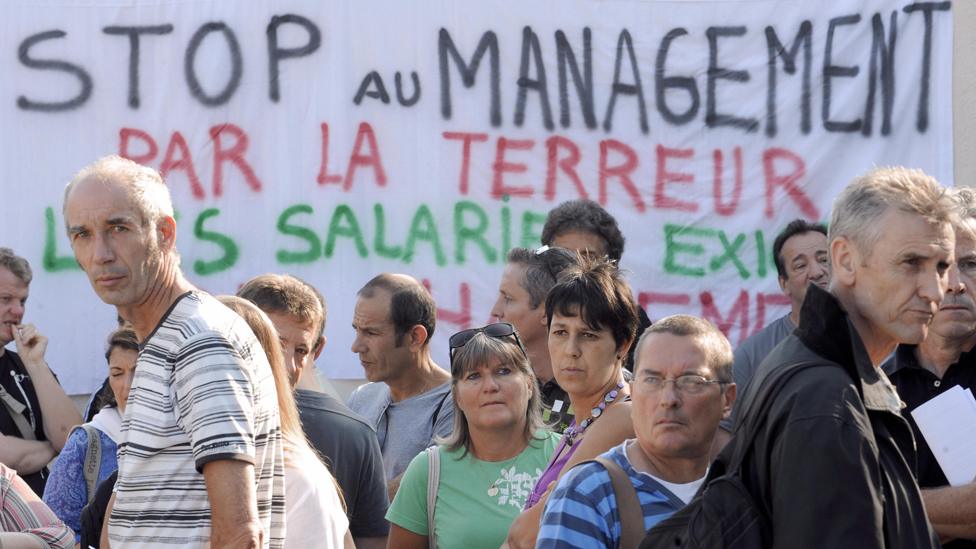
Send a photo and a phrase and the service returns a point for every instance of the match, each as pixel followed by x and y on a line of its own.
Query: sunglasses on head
pixel 497 330
pixel 544 258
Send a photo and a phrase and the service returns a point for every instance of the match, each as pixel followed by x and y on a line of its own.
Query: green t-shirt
pixel 476 500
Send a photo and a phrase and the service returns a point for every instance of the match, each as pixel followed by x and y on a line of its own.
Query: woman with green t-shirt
pixel 486 469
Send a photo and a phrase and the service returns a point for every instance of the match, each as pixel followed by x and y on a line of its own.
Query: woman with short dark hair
pixel 497 450
pixel 592 321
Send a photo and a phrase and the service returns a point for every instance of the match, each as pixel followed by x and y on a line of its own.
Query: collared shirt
pixel 202 391
pixel 916 386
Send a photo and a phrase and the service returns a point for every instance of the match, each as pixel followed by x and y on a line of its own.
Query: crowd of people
pixel 571 421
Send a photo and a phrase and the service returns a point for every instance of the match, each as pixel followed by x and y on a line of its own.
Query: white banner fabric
pixel 338 140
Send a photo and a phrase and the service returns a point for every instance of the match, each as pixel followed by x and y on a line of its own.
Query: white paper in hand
pixel 948 423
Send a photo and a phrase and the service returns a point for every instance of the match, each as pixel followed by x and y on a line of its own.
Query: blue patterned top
pixel 66 492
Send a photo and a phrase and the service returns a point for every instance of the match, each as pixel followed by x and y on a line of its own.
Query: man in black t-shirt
pixel 35 413
pixel 345 441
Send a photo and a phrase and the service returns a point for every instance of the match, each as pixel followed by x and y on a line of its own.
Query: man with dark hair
pixel 407 398
pixel 831 461
pixel 801 258
pixel 526 281
pixel 346 442
pixel 585 226
pixel 35 413
pixel 944 360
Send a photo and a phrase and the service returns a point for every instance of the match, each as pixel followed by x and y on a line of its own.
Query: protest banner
pixel 337 140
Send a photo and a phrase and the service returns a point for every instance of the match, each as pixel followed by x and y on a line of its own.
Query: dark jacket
pixel 833 463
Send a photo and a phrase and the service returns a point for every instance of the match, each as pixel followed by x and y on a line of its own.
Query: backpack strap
pixel 631 514
pixel 437 414
pixel 433 481
pixel 93 459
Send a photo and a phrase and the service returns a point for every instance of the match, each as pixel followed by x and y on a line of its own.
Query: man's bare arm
pixel 60 414
pixel 25 456
pixel 233 504
pixel 393 485
pixel 370 543
pixel 952 510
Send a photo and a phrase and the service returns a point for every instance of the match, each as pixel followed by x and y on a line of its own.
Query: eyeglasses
pixel 496 330
pixel 686 384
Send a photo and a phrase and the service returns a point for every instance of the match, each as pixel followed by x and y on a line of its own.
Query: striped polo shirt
pixel 203 391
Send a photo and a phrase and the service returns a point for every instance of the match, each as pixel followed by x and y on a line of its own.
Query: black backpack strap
pixel 437 412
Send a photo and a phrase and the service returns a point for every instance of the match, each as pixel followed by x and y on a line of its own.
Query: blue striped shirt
pixel 582 509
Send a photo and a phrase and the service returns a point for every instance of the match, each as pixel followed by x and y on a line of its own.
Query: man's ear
pixel 542 315
pixel 418 337
pixel 166 233
pixel 728 396
pixel 844 259
pixel 319 346
pixel 782 283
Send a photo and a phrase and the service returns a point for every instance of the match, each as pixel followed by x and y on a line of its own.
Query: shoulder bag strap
pixel 631 514
pixel 15 409
pixel 437 413
pixel 433 480
pixel 93 459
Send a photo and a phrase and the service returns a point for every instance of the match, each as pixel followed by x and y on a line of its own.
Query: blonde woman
pixel 314 511
pixel 487 466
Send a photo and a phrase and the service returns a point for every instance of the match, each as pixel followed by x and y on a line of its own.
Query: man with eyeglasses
pixel 408 397
pixel 35 413
pixel 682 388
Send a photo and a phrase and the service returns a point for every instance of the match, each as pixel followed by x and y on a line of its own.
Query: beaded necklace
pixel 576 430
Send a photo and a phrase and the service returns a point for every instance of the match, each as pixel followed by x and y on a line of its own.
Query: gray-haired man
pixel 831 460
